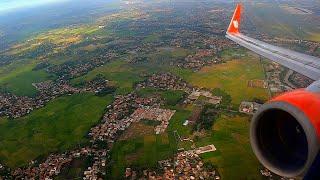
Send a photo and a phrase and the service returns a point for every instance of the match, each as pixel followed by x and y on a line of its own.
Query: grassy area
pixel 18 79
pixel 314 37
pixel 233 53
pixel 60 125
pixel 152 38
pixel 166 55
pixel 61 37
pixel 234 157
pixel 142 152
pixel 232 77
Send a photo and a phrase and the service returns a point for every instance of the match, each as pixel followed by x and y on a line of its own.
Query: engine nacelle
pixel 285 133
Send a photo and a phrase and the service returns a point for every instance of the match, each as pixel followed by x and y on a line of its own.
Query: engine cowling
pixel 285 133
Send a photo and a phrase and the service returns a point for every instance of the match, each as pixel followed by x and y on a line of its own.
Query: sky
pixel 10 5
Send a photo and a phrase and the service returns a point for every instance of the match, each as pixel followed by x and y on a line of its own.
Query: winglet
pixel 236 19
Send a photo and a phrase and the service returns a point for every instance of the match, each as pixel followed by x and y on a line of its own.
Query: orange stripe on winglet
pixel 235 21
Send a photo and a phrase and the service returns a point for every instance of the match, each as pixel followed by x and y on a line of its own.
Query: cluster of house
pixel 98 166
pixel 117 117
pixel 97 85
pixel 203 57
pixel 52 166
pixel 16 106
pixel 52 89
pixel 208 97
pixel 274 76
pixel 77 68
pixel 186 165
pixel 218 44
pixel 249 107
pixel 279 82
pixel 258 83
pixel 156 114
pixel 165 81
pixel 300 81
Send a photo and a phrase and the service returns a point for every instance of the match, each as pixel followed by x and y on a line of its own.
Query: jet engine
pixel 285 134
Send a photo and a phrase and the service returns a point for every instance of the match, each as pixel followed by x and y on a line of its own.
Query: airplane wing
pixel 301 63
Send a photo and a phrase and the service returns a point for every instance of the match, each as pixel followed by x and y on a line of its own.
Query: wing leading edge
pixel 301 63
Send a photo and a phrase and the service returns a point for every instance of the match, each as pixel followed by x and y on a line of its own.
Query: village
pixel 14 106
pixel 185 165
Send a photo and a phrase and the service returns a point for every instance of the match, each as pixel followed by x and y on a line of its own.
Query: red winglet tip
pixel 235 21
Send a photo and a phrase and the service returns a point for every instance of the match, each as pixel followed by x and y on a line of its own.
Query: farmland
pixel 232 77
pixel 18 79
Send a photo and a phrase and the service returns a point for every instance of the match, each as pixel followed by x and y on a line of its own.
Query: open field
pixel 234 157
pixel 60 125
pixel 61 38
pixel 172 52
pixel 314 37
pixel 18 78
pixel 233 53
pixel 232 77
pixel 140 152
pixel 152 38
pixel 137 129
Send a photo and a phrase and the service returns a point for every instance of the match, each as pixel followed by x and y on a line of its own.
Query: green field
pixel 232 77
pixel 234 157
pixel 59 126
pixel 18 78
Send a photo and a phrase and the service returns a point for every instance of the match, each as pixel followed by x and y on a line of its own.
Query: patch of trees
pixel 259 101
pixel 41 50
pixel 209 166
pixel 40 66
pixel 226 98
pixel 5 173
pixel 106 91
pixel 150 122
pixel 141 59
pixel 5 59
pixel 172 98
pixel 207 118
